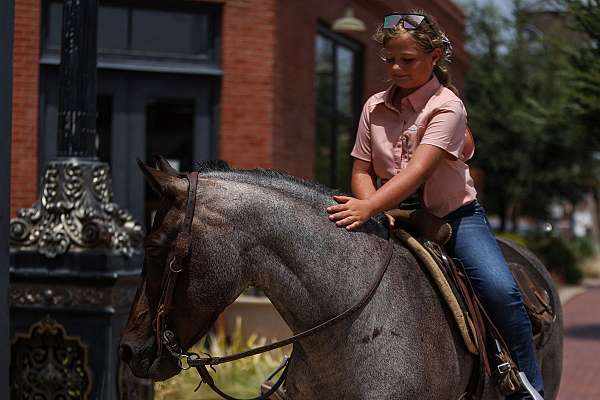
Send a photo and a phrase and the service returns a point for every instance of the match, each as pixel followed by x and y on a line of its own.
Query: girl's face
pixel 407 65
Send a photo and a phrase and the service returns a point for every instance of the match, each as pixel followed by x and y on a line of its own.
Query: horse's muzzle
pixel 144 363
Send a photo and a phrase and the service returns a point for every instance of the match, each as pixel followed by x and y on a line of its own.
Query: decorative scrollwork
pixel 47 364
pixel 72 296
pixel 75 212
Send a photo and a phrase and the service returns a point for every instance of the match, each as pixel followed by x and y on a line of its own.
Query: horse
pixel 268 230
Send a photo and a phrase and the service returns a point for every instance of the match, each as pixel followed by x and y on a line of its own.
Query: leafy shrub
pixel 583 248
pixel 239 378
pixel 515 237
pixel 558 256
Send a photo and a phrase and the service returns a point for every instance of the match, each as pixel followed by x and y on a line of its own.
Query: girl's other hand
pixel 391 220
pixel 350 212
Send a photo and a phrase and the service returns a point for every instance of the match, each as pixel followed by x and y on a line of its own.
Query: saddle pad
pixel 465 325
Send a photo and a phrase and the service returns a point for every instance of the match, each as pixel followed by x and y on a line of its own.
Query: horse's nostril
pixel 126 353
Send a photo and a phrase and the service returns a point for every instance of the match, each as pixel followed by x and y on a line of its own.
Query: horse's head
pixel 207 283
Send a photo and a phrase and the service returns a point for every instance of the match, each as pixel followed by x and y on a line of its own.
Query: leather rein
pixel 186 360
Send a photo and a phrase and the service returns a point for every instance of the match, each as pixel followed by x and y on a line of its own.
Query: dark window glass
pixel 112 32
pixel 325 109
pixel 186 34
pixel 344 68
pixel 54 25
pixel 168 32
pixel 170 133
pixel 337 98
pixel 104 109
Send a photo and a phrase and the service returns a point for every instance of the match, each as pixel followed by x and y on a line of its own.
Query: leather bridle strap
pixel 206 378
pixel 179 252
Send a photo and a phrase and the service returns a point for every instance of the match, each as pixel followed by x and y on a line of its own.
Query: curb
pixel 567 293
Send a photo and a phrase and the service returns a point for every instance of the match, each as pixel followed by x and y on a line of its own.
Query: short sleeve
pixel 362 145
pixel 446 128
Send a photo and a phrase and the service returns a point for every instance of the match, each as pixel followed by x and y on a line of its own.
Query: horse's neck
pixel 310 271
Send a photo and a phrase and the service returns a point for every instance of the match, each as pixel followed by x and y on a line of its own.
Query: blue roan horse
pixel 268 230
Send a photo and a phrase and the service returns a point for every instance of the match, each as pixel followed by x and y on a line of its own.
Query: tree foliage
pixel 532 106
pixel 585 72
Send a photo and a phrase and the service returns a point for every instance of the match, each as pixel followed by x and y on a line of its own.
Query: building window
pixel 147 33
pixel 157 91
pixel 337 62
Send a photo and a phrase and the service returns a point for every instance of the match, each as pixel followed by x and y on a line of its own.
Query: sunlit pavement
pixel 581 359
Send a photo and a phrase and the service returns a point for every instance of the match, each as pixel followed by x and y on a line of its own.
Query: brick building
pixel 258 83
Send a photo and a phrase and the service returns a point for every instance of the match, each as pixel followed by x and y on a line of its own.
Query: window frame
pixel 357 49
pixel 136 60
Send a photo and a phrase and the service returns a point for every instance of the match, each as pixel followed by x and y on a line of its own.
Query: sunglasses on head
pixel 410 22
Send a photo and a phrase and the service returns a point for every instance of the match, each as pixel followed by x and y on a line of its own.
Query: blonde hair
pixel 428 36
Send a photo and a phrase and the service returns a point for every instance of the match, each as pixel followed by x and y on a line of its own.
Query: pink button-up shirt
pixel 387 137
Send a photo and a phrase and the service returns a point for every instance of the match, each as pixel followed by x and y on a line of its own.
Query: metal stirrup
pixel 527 385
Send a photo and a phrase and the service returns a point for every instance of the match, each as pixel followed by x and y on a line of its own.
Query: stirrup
pixel 528 387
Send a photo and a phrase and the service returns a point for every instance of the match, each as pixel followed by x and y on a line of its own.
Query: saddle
pixel 476 328
pixel 426 227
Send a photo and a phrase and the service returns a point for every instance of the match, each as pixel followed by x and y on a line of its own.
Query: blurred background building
pixel 258 83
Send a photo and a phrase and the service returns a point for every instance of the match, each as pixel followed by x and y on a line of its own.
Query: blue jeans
pixel 474 244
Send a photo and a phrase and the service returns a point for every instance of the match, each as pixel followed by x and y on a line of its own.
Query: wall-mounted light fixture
pixel 348 23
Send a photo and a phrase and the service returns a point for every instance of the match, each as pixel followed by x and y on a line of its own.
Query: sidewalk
pixel 581 357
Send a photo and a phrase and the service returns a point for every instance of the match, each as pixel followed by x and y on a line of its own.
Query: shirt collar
pixel 416 99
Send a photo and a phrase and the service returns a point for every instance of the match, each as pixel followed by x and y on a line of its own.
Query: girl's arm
pixel 425 160
pixel 353 212
pixel 363 179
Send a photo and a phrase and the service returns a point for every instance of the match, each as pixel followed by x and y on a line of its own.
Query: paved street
pixel 581 361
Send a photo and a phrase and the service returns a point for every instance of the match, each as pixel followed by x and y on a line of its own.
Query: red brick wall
pixel 294 125
pixel 247 91
pixel 24 165
pixel 267 105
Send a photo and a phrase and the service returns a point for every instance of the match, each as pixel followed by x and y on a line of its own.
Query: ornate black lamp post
pixel 75 254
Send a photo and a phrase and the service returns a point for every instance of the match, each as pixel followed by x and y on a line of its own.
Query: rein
pixel 187 360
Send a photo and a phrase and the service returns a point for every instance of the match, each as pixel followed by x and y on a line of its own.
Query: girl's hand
pixel 351 212
pixel 391 220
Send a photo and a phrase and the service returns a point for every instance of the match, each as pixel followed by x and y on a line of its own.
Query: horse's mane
pixel 261 173
pixel 311 191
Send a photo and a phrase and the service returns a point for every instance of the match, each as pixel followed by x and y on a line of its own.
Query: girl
pixel 412 137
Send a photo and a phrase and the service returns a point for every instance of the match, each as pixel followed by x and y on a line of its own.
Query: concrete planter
pixel 258 317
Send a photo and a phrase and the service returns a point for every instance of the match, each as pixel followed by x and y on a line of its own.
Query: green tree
pixel 518 97
pixel 584 78
pixel 585 72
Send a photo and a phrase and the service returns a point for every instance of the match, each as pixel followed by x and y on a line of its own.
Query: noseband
pixel 186 360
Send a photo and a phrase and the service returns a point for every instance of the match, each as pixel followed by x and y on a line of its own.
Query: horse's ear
pixel 161 182
pixel 163 165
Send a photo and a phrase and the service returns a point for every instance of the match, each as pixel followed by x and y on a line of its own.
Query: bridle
pixel 177 254
pixel 186 360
